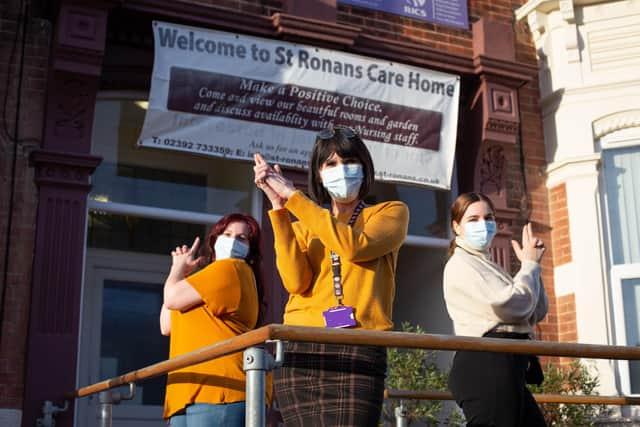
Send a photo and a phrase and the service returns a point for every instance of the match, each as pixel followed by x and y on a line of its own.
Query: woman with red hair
pixel 220 301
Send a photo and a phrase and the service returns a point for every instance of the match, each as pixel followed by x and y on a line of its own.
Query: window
pixel 621 175
pixel 143 203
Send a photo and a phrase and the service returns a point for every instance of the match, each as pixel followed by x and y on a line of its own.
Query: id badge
pixel 341 316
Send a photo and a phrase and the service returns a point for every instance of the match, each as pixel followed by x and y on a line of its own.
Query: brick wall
pixel 560 224
pixel 23 209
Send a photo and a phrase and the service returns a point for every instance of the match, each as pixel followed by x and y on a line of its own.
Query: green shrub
pixel 575 380
pixel 416 370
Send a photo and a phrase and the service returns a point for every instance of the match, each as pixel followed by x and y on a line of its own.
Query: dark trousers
pixel 491 389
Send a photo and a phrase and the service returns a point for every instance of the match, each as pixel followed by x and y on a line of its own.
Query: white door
pixel 120 333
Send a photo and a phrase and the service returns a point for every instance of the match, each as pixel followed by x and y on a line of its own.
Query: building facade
pixel 590 101
pixel 89 218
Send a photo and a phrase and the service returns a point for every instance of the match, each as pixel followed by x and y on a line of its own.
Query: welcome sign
pixel 231 95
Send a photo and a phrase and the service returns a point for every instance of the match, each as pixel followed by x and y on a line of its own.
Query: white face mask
pixel 343 182
pixel 229 247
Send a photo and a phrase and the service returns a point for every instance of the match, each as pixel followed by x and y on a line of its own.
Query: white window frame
pixel 618 272
pixel 101 265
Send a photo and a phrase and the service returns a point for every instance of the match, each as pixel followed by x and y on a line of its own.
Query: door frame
pixel 100 265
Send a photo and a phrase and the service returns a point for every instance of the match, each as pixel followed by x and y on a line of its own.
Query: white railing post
pixel 401 415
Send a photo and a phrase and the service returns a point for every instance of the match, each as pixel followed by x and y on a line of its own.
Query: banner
pixel 446 12
pixel 231 95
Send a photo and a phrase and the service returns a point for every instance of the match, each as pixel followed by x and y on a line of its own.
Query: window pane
pixel 419 297
pixel 161 178
pixel 622 169
pixel 429 208
pixel 130 337
pixel 631 302
pixel 137 234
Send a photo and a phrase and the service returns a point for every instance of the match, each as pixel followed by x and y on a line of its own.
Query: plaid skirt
pixel 331 385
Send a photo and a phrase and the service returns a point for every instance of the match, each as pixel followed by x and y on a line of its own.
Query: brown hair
pixel 346 147
pixel 458 209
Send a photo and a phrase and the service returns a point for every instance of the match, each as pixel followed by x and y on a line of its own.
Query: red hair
pixel 254 256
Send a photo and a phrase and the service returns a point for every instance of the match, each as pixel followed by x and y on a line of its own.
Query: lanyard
pixel 335 258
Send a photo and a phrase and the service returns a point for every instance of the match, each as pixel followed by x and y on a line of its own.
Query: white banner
pixel 230 95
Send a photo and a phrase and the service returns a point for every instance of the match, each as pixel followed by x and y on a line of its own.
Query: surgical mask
pixel 229 247
pixel 479 234
pixel 343 182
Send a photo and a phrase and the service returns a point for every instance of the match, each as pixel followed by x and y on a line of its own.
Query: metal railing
pixel 257 361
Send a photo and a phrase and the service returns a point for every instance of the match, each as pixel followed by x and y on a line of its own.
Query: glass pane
pixel 161 178
pixel 622 169
pixel 631 302
pixel 130 233
pixel 131 336
pixel 429 208
pixel 419 298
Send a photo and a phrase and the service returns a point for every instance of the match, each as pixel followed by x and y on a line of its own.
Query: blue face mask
pixel 343 182
pixel 479 234
pixel 229 247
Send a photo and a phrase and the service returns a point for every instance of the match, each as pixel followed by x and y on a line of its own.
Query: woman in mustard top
pixel 218 302
pixel 338 266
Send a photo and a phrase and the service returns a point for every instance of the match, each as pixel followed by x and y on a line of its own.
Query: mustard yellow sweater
pixel 229 308
pixel 368 253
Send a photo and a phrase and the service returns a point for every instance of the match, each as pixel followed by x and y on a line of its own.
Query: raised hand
pixel 183 258
pixel 532 248
pixel 270 180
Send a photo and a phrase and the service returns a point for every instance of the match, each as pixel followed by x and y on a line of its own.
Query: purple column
pixel 63 167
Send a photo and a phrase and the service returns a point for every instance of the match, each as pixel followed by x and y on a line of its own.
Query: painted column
pixel 63 167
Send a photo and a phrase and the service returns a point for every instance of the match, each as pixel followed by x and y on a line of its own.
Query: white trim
pixel 426 242
pixel 102 264
pixel 615 122
pixel 547 6
pixel 570 167
pixel 543 6
pixel 153 212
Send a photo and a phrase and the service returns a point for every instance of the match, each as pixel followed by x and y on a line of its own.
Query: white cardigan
pixel 480 295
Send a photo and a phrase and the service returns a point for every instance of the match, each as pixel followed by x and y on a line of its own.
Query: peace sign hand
pixel 183 258
pixel 532 248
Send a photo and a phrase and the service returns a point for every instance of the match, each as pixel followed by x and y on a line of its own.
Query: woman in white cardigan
pixel 484 300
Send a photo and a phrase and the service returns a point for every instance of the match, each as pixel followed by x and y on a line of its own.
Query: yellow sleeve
pixel 291 254
pixel 384 230
pixel 219 286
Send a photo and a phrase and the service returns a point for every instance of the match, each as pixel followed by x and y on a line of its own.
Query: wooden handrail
pixel 540 398
pixel 451 342
pixel 363 337
pixel 219 349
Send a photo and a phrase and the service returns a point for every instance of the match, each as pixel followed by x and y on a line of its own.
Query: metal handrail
pixel 580 399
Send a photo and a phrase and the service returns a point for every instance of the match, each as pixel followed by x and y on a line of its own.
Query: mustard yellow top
pixel 230 308
pixel 368 253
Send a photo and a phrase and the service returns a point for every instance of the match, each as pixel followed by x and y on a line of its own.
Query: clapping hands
pixel 269 179
pixel 532 248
